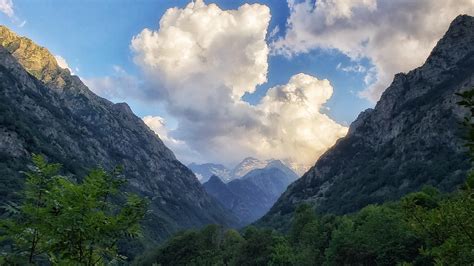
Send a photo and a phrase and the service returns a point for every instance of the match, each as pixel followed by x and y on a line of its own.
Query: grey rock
pixel 411 138
pixel 46 110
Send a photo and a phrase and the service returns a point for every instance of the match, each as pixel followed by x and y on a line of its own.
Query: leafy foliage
pixel 62 221
pixel 424 228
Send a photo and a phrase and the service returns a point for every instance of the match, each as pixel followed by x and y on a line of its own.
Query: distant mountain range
pixel 46 110
pixel 251 196
pixel 412 138
pixel 204 171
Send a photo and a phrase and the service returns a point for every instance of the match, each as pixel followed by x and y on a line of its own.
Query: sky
pixel 221 80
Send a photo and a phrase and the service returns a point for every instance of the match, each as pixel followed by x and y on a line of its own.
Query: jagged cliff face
pixel 36 59
pixel 44 109
pixel 411 138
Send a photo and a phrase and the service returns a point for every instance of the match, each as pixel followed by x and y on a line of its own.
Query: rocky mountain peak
pixel 446 63
pixel 413 137
pixel 37 60
pixel 248 164
pixel 215 179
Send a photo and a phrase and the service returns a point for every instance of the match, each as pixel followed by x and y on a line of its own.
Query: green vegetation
pixel 424 228
pixel 61 221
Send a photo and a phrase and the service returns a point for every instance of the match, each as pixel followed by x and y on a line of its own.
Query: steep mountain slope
pixel 270 179
pixel 411 138
pixel 248 164
pixel 251 196
pixel 290 174
pixel 222 192
pixel 205 171
pixel 44 109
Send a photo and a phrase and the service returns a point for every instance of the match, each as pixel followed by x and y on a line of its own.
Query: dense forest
pixel 424 228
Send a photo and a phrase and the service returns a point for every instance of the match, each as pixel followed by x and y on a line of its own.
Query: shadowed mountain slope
pixel 44 109
pixel 411 138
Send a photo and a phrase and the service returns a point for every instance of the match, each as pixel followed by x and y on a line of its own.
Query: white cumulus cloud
pixel 202 60
pixel 297 129
pixel 395 35
pixel 201 42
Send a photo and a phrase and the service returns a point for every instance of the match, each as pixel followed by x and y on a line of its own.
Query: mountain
pixel 411 138
pixel 247 165
pixel 46 110
pixel 252 195
pixel 204 171
pixel 290 174
pixel 222 192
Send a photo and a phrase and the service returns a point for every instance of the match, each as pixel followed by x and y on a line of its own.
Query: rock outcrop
pixel 44 109
pixel 411 138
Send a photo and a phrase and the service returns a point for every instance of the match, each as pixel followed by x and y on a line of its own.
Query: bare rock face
pixel 46 110
pixel 411 138
pixel 36 59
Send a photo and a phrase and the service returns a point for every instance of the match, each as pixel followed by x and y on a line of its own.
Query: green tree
pixel 305 236
pixel 231 246
pixel 261 246
pixel 282 253
pixel 30 225
pixel 446 225
pixel 376 235
pixel 63 221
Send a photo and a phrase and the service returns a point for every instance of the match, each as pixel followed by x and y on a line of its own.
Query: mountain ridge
pixel 47 110
pixel 252 195
pixel 248 164
pixel 411 138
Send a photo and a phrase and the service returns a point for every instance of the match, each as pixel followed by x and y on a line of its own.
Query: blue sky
pixel 93 36
pixel 204 115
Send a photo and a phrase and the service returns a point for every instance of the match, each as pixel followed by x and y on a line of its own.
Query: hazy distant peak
pixel 247 165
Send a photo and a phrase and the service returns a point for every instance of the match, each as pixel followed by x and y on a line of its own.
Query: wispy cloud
pixel 395 36
pixel 357 68
pixel 118 86
pixel 6 7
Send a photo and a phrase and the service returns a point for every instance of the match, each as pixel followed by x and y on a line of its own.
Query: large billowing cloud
pixel 395 35
pixel 296 127
pixel 202 60
pixel 205 45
